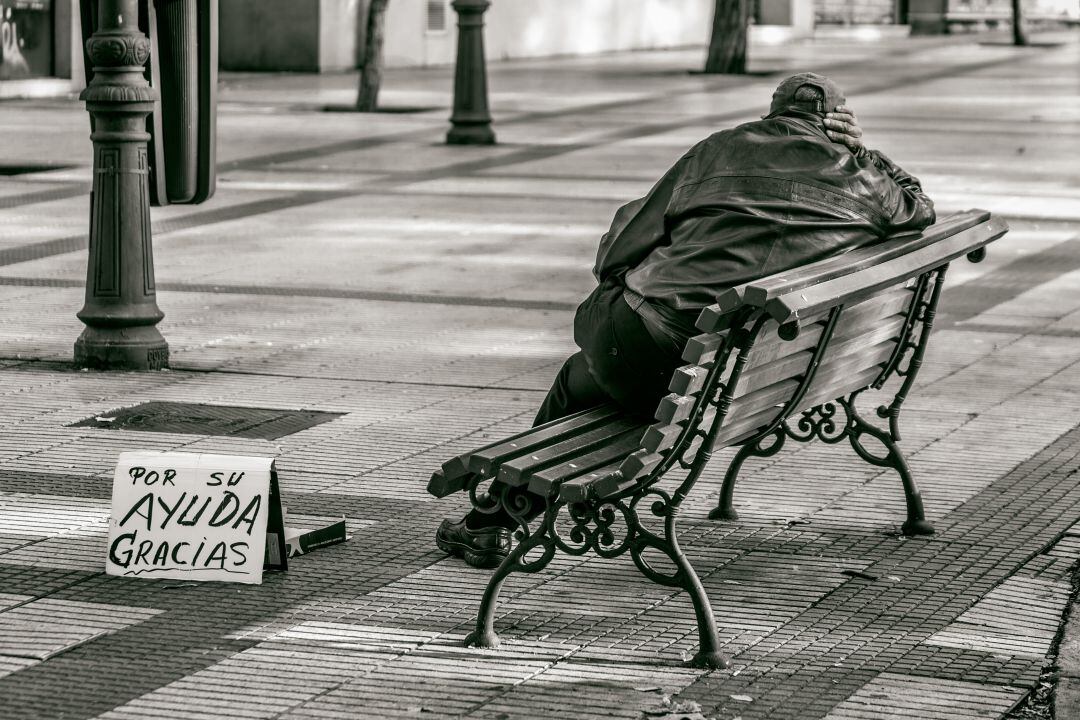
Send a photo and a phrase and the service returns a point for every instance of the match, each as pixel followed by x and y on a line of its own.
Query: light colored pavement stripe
pixel 8 600
pixel 591 690
pixel 80 549
pixel 44 628
pixel 334 662
pixel 1018 617
pixel 903 696
pixel 1068 547
pixel 9 665
pixel 40 516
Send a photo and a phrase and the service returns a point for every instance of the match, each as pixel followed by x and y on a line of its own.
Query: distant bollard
pixel 120 310
pixel 471 121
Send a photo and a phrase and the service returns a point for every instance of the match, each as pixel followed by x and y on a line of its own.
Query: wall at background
pixel 542 28
pixel 340 35
pixel 1033 9
pixel 269 34
pixel 855 12
pixel 26 39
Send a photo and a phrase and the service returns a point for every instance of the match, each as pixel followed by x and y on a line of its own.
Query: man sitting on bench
pixel 792 188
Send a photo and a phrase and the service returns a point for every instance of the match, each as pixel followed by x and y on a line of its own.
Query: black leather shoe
pixel 481 548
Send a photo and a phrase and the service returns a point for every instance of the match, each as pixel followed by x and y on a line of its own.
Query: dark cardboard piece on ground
pixel 275 556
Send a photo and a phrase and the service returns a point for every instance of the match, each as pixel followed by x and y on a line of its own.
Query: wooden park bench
pixel 781 358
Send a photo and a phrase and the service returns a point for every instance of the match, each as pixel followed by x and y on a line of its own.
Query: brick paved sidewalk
pixel 352 264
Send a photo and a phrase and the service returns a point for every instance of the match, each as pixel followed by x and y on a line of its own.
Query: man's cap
pixel 784 96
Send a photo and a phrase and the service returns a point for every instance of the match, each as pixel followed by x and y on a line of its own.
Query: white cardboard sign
pixel 189 516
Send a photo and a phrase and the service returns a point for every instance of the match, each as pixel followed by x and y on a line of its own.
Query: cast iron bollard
pixel 121 305
pixel 471 120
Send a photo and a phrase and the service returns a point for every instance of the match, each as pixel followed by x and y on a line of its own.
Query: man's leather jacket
pixel 748 202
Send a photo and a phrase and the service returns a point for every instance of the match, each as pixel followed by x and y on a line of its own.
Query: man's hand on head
pixel 842 127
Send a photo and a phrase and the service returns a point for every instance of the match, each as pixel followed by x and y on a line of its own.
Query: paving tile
pixel 1019 617
pixel 83 549
pixel 894 695
pixel 43 628
pixel 280 673
pixel 9 600
pixel 592 689
pixel 9 665
pixel 28 516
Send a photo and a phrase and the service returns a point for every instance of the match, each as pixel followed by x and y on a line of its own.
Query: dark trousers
pixel 619 362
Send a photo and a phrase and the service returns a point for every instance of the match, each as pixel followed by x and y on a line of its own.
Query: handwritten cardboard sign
pixel 195 517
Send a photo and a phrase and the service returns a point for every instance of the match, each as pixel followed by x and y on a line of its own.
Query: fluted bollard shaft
pixel 471 120
pixel 120 311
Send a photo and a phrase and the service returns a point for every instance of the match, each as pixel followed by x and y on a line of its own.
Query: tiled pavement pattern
pixel 351 264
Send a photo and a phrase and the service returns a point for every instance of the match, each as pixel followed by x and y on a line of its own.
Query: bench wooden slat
pixel 688 380
pixel 702 349
pixel 845 340
pixel 835 371
pixel 545 482
pixel 515 471
pixel 455 472
pixel 674 408
pixel 744 426
pixel 483 461
pixel 770 346
pixel 795 365
pixel 771 395
pixel 440 486
pixel 782 368
pixel 759 292
pixel 853 320
pixel 862 283
pixel 576 489
pixel 660 436
pixel 639 463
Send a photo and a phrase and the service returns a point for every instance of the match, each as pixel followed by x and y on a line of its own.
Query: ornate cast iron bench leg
pixel 754 448
pixel 484 635
pixel 684 577
pixel 916 523
pixel 591 529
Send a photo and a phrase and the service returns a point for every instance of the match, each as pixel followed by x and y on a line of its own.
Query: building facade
pixel 41 53
pixel 36 46
pixel 329 34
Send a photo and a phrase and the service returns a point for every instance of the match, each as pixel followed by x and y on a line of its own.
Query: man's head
pixel 806 91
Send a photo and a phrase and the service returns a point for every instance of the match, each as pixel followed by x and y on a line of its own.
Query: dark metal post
pixel 471 120
pixel 121 309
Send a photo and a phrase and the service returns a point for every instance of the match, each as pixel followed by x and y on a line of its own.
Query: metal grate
pixel 217 420
pixel 436 16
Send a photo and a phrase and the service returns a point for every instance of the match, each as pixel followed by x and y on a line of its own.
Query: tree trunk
pixel 367 99
pixel 727 45
pixel 1019 36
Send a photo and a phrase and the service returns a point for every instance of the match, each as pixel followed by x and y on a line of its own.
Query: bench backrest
pixel 775 347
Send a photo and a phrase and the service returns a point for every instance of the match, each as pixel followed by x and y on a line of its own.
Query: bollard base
pixel 131 348
pixel 480 134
